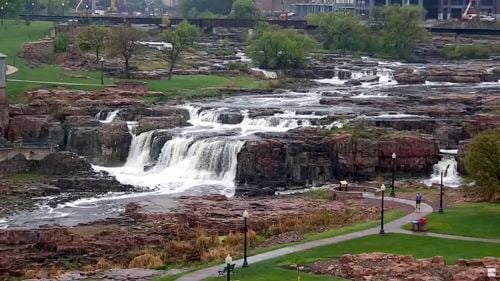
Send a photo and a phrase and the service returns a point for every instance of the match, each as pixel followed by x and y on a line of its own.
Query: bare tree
pixel 123 42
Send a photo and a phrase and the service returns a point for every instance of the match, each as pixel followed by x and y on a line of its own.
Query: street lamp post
pixel 229 260
pixel 382 231
pixel 245 235
pixel 102 70
pixel 1 15
pixel 62 9
pixel 86 11
pixel 393 193
pixel 32 8
pixel 441 189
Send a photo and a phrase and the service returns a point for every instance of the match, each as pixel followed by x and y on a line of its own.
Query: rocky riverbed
pixel 134 172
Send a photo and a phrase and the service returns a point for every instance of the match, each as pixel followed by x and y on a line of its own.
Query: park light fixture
pixel 101 60
pixel 229 261
pixel 246 215
pixel 443 173
pixel 382 231
pixel 393 192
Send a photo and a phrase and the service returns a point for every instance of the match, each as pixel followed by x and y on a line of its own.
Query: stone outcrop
pixel 35 51
pixel 481 122
pixel 304 157
pixel 164 122
pixel 380 266
pixel 64 164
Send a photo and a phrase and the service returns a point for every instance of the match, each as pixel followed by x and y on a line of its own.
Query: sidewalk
pixel 390 227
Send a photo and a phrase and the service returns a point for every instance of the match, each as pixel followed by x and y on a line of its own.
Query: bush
pixel 341 31
pixel 146 261
pixel 61 43
pixel 483 163
pixel 214 254
pixel 274 48
pixel 474 51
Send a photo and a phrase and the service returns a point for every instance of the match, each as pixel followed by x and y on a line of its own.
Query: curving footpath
pixel 394 226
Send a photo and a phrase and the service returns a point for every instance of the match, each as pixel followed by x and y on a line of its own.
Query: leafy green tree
pixel 93 37
pixel 181 39
pixel 400 28
pixel 191 8
pixel 342 31
pixel 11 8
pixel 123 42
pixel 274 48
pixel 482 162
pixel 243 9
pixel 61 43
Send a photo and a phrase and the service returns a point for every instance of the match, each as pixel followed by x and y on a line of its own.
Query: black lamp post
pixel 102 70
pixel 62 9
pixel 245 234
pixel 441 189
pixel 382 231
pixel 86 11
pixel 393 193
pixel 32 9
pixel 229 260
pixel 1 14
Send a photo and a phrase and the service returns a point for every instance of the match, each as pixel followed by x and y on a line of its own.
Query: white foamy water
pixel 385 75
pixel 108 118
pixel 447 166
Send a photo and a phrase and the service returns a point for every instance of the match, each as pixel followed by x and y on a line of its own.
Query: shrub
pixel 204 241
pixel 61 43
pixel 474 51
pixel 274 48
pixel 146 261
pixel 233 239
pixel 483 163
pixel 214 254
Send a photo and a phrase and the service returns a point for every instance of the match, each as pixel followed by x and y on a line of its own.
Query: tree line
pixel 123 42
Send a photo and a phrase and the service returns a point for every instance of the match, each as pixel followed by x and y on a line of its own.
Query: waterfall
pixel 204 159
pixel 451 178
pixel 138 155
pixel 108 118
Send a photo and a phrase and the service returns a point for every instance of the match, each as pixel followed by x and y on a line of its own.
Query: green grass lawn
pixel 418 246
pixel 468 219
pixel 390 216
pixel 17 33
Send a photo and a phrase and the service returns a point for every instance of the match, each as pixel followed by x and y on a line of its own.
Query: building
pixel 449 9
pixel 363 8
pixel 436 9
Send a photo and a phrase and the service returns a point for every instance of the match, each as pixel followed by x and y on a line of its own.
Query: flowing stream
pixel 202 158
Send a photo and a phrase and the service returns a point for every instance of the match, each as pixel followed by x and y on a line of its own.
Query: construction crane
pixel 470 12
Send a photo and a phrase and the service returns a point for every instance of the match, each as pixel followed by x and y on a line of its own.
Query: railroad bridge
pixel 210 23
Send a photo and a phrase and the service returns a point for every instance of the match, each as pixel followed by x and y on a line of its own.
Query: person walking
pixel 418 200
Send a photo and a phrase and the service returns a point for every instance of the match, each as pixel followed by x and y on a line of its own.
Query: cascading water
pixel 448 167
pixel 108 118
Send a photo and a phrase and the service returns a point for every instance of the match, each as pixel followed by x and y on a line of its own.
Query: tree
pixel 181 38
pixel 243 9
pixel 12 9
pixel 123 41
pixel 400 28
pixel 274 48
pixel 61 43
pixel 93 37
pixel 482 162
pixel 191 8
pixel 342 31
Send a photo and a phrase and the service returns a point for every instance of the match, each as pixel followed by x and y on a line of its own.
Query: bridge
pixel 236 23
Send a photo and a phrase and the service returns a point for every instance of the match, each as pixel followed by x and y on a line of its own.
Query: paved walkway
pixel 394 226
pixel 447 236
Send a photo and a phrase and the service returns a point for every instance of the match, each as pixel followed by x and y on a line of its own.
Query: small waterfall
pixel 451 178
pixel 287 120
pixel 138 155
pixel 108 117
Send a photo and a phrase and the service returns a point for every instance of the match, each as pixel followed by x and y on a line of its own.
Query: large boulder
pixel 115 143
pixel 64 163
